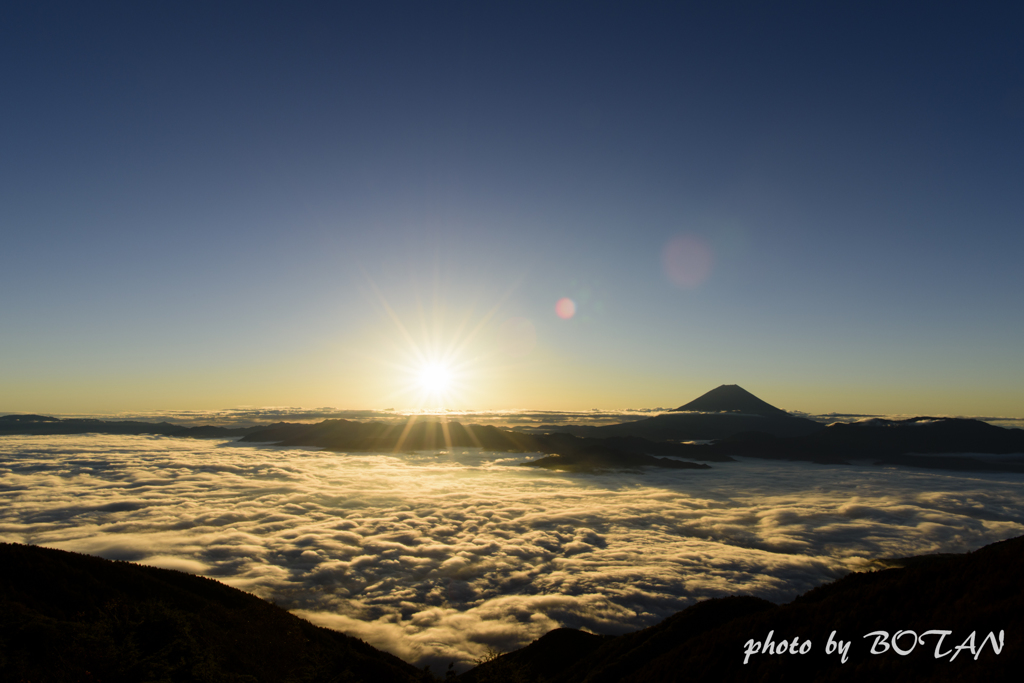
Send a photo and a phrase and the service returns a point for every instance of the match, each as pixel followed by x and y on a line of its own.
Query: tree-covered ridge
pixel 977 593
pixel 69 617
pixel 72 617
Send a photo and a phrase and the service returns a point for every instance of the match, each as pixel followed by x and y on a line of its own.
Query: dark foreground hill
pixel 70 617
pixel 977 598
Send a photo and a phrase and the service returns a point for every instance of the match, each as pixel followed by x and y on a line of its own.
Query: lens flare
pixel 687 261
pixel 565 308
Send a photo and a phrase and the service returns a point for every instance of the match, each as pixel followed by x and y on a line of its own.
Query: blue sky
pixel 207 205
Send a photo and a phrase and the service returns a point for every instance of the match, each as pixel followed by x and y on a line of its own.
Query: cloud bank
pixel 440 556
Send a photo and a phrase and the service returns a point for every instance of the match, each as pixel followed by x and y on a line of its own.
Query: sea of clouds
pixel 443 556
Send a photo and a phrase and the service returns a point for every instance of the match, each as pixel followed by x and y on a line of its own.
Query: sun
pixel 435 379
pixel 436 366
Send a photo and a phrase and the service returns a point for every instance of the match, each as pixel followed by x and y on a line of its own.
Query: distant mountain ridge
pixel 736 422
pixel 40 425
pixel 723 412
pixel 563 451
pixel 27 419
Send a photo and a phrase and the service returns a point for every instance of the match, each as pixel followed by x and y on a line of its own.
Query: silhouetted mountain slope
pixel 71 617
pixel 703 426
pixel 542 659
pixel 923 435
pixel 635 444
pixel 732 398
pixel 566 452
pixel 915 441
pixel 619 657
pixel 42 425
pixel 978 593
pixel 594 459
pixel 26 419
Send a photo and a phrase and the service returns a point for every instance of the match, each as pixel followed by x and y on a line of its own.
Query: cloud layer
pixel 440 556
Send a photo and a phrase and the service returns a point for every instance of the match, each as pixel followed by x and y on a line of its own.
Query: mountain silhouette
pixel 26 419
pixel 932 442
pixel 71 617
pixel 731 398
pixel 978 592
pixel 42 425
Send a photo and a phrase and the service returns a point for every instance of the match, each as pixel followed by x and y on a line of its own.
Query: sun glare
pixel 433 369
pixel 435 378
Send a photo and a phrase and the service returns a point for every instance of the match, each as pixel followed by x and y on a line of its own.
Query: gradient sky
pixel 207 205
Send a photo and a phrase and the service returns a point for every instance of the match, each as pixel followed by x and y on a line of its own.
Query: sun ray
pixel 405 432
pixel 446 432
pixel 472 435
